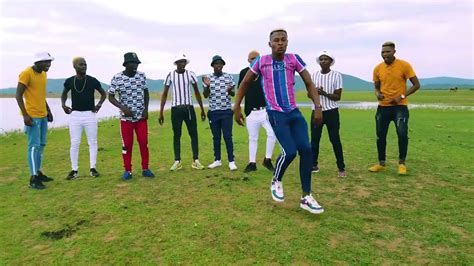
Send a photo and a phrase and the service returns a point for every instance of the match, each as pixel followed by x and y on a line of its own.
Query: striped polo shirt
pixel 279 80
pixel 180 84
pixel 330 82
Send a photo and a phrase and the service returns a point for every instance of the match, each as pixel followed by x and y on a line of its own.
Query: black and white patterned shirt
pixel 330 82
pixel 219 98
pixel 131 91
pixel 180 85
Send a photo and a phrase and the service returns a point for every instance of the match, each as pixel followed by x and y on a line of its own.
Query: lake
pixel 11 119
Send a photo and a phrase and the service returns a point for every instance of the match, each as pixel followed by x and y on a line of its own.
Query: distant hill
pixel 350 83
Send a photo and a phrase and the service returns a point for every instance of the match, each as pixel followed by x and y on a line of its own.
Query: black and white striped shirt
pixel 180 85
pixel 330 82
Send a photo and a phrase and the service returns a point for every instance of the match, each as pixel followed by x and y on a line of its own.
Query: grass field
pixel 222 217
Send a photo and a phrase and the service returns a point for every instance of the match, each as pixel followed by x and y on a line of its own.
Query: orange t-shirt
pixel 393 80
pixel 35 93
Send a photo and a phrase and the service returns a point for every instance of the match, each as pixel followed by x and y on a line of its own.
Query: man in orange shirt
pixel 36 114
pixel 390 78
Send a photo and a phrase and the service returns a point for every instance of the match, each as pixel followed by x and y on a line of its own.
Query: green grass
pixel 460 97
pixel 222 217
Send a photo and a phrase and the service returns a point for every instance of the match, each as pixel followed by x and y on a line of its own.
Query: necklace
pixel 83 86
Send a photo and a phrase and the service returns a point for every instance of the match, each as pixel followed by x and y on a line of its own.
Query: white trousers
pixel 79 121
pixel 254 121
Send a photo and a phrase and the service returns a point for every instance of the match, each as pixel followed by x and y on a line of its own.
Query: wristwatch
pixel 403 96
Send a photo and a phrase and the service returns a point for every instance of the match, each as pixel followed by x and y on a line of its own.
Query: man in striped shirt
pixel 329 85
pixel 182 109
pixel 278 75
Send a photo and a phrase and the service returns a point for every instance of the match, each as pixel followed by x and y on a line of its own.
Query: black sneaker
pixel 267 163
pixel 94 173
pixel 315 169
pixel 35 183
pixel 72 175
pixel 43 177
pixel 250 167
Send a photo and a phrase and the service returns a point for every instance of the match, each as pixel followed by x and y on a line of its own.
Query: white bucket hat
pixel 180 57
pixel 326 53
pixel 43 56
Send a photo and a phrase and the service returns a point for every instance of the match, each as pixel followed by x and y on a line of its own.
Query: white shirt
pixel 330 82
pixel 180 85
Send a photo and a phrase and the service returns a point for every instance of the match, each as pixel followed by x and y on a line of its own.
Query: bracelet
pixel 317 106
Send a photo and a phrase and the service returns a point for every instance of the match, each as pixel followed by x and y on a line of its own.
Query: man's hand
pixel 145 114
pixel 67 109
pixel 322 92
pixel 96 108
pixel 203 115
pixel 27 120
pixel 238 117
pixel 318 117
pixel 49 116
pixel 379 95
pixel 396 100
pixel 126 111
pixel 161 119
pixel 206 81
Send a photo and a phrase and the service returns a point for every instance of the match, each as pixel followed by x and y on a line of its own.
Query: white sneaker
pixel 176 166
pixel 277 191
pixel 232 166
pixel 215 164
pixel 310 204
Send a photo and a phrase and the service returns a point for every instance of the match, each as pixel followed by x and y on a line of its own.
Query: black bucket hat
pixel 130 57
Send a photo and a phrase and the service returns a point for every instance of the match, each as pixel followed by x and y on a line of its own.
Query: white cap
pixel 179 57
pixel 43 56
pixel 326 53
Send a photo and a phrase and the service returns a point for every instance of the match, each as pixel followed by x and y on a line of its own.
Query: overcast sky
pixel 436 37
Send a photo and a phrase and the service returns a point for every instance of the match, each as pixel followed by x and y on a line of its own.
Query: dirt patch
pixel 67 231
pixel 110 236
pixel 361 192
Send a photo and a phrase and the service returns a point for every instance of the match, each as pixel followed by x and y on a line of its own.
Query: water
pixel 11 119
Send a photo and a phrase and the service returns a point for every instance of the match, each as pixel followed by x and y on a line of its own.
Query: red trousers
pixel 126 131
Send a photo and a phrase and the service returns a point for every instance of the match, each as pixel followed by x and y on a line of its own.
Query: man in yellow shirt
pixel 36 114
pixel 390 79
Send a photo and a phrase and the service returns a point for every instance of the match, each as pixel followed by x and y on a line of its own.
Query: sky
pixel 436 37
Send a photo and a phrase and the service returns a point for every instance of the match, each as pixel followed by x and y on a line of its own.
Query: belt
pixel 258 108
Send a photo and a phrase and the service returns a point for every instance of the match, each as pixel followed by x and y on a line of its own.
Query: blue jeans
pixel 36 135
pixel 291 131
pixel 221 122
pixel 399 115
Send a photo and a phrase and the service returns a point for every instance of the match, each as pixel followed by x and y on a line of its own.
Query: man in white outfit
pixel 82 114
pixel 255 110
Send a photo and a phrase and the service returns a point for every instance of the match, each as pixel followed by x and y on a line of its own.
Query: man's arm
pixel 66 108
pixel 313 94
pixel 199 100
pixel 103 95
pixel 122 108
pixel 20 90
pixel 50 114
pixel 147 100
pixel 415 85
pixel 244 86
pixel 336 96
pixel 206 84
pixel 377 91
pixel 164 96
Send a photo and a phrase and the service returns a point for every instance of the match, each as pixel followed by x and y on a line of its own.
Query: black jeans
pixel 331 120
pixel 187 114
pixel 399 115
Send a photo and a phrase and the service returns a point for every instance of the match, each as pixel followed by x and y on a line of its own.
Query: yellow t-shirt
pixel 393 80
pixel 35 93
